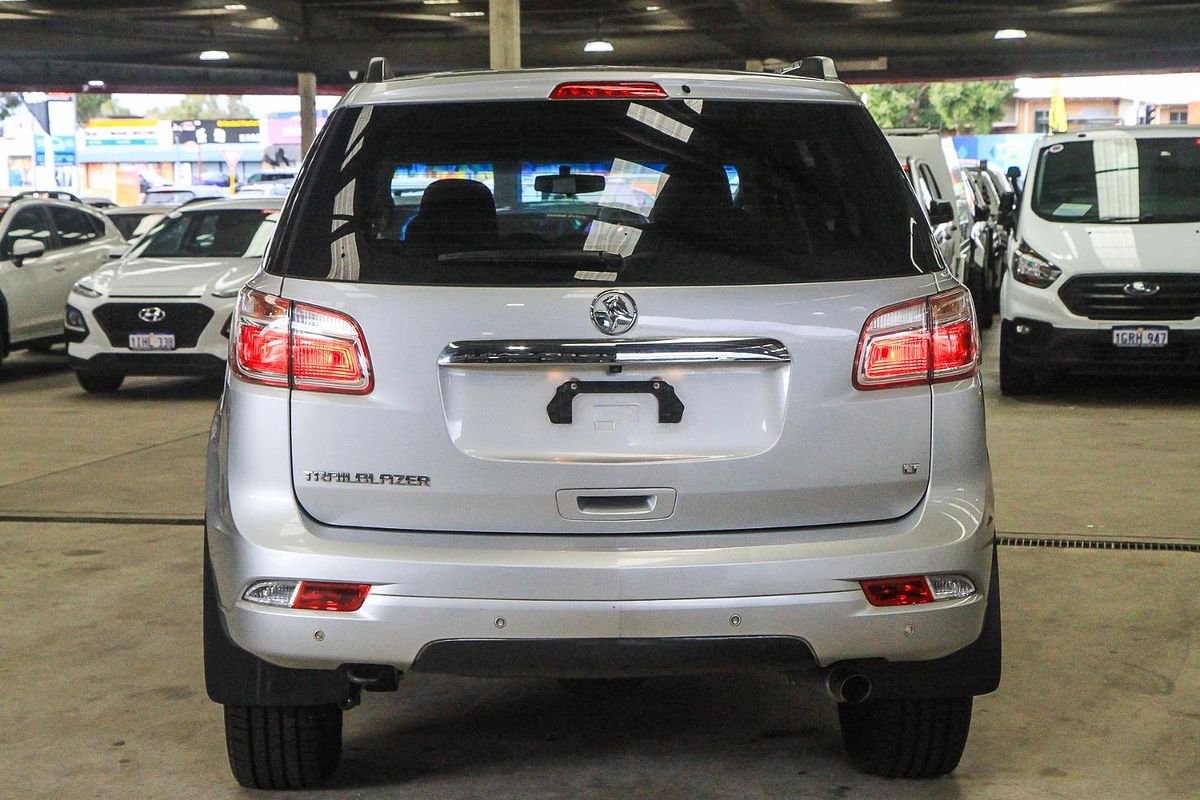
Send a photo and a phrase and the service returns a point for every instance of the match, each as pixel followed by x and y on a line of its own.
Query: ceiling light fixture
pixel 466 13
pixel 598 45
pixel 214 55
pixel 654 8
pixel 235 6
pixel 96 84
pixel 1009 33
pixel 439 2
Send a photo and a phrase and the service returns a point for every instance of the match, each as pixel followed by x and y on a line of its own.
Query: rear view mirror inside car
pixel 568 183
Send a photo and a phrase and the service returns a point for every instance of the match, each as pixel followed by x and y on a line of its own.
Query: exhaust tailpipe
pixel 847 687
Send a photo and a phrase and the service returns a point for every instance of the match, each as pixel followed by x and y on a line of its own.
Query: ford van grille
pixel 1133 296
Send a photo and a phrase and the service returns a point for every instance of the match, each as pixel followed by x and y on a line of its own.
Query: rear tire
pixel 99 382
pixel 1015 379
pixel 906 738
pixel 283 747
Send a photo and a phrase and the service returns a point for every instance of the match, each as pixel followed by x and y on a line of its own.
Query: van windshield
pixel 1119 179
pixel 593 191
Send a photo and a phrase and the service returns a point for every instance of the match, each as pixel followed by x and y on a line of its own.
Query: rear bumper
pixel 150 364
pixel 1045 346
pixel 506 594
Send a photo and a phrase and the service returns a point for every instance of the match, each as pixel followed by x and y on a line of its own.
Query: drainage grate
pixel 1017 540
pixel 99 519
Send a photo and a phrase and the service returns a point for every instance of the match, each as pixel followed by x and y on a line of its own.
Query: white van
pixel 1103 273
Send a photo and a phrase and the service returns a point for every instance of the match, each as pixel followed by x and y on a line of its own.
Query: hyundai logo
pixel 613 312
pixel 1141 289
pixel 152 314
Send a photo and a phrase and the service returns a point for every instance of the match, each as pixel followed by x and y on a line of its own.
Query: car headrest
pixel 456 215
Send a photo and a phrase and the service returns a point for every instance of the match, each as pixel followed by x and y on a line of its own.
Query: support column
pixel 504 29
pixel 307 84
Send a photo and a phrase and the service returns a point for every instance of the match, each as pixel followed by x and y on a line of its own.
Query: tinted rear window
pixel 592 192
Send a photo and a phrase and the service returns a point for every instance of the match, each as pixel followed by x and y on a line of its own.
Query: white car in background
pixel 1103 273
pixel 45 246
pixel 164 308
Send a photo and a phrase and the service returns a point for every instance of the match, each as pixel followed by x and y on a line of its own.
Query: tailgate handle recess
pixel 616 504
pixel 670 408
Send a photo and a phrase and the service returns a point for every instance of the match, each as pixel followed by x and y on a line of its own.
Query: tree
pixel 91 105
pixel 206 106
pixel 900 105
pixel 972 105
pixel 8 103
pixel 960 106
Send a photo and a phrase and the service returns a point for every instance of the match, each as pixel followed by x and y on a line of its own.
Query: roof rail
pixel 50 194
pixel 820 67
pixel 378 70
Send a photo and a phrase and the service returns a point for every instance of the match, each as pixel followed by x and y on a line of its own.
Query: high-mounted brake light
pixel 923 341
pixel 608 90
pixel 277 342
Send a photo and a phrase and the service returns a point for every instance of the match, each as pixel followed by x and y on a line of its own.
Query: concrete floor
pixel 103 687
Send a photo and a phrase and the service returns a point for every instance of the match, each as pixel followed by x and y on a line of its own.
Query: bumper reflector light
pixel 909 591
pixel 308 595
pixel 916 589
pixel 321 596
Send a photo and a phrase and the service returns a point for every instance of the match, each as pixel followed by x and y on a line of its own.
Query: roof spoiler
pixel 378 70
pixel 819 67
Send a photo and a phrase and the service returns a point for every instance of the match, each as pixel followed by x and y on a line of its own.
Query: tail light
pixel 923 341
pixel 278 342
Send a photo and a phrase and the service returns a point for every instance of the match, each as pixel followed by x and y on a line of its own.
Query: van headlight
pixel 83 287
pixel 1031 269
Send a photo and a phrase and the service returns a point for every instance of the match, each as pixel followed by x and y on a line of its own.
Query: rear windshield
pixel 214 234
pixel 1121 179
pixel 592 192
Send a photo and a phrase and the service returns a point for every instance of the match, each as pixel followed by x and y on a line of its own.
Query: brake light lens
pixel 277 342
pixel 923 341
pixel 608 90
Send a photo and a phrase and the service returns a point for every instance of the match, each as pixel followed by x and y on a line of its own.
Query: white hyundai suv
pixel 165 307
pixel 45 246
pixel 639 372
pixel 1103 273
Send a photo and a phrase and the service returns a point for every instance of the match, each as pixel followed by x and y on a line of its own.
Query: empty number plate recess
pixel 670 408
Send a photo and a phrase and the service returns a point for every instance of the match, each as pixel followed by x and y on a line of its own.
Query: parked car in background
pixel 45 246
pixel 164 309
pixel 276 176
pixel 102 203
pixel 178 195
pixel 1104 275
pixel 134 221
pixel 678 384
pixel 995 195
pixel 933 169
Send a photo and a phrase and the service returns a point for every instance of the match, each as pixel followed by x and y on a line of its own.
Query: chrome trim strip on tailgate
pixel 707 350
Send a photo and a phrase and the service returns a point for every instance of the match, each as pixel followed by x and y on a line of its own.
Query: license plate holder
pixel 152 341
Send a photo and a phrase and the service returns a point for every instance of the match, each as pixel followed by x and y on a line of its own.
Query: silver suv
pixel 597 375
